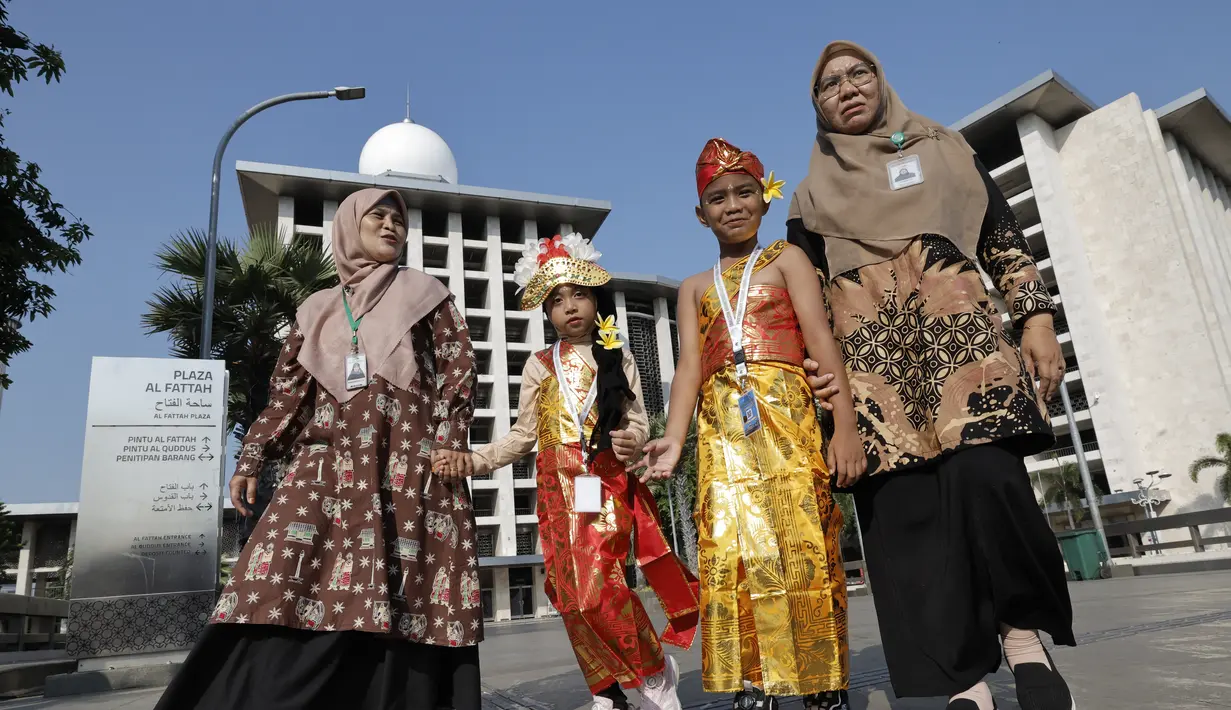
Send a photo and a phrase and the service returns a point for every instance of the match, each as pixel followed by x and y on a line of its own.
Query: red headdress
pixel 719 158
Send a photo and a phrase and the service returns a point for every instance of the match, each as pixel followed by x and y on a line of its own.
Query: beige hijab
pixel 846 196
pixel 390 300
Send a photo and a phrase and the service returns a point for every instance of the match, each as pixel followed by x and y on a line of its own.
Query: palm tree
pixel 258 289
pixel 1222 484
pixel 682 493
pixel 1063 488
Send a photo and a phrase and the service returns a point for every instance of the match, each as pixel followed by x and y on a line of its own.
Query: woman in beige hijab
pixel 359 588
pixel 898 214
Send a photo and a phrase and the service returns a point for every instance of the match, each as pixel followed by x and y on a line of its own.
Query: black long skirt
pixel 242 667
pixel 955 548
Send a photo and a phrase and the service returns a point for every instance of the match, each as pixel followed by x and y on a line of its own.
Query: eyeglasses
pixel 859 75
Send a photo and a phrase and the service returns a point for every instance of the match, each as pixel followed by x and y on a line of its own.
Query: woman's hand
pixel 452 464
pixel 624 445
pixel 1041 354
pixel 846 457
pixel 822 390
pixel 661 457
pixel 243 494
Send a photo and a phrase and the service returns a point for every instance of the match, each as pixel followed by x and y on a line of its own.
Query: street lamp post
pixel 342 93
pixel 1147 499
pixel 1092 497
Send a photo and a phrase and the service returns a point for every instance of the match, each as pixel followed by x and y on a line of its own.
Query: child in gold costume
pixel 773 592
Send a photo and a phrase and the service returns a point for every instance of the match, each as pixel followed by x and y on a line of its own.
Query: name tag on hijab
pixel 905 172
pixel 588 494
pixel 356 371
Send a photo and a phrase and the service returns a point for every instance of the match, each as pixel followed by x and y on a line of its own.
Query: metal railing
pixel 1063 451
pixel 1191 521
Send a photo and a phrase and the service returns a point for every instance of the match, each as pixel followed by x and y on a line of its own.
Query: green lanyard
pixel 354 324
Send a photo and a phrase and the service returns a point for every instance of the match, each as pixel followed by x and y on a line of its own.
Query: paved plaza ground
pixel 1144 642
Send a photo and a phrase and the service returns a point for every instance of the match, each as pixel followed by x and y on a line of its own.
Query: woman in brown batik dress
pixel 359 587
pixel 896 211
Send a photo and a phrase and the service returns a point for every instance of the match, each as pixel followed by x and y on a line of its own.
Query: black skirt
pixel 955 548
pixel 241 667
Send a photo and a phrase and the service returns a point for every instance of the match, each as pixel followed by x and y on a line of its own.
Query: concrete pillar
pixel 454 263
pixel 500 594
pixel 542 607
pixel 25 559
pixel 494 268
pixel 666 350
pixel 330 210
pixel 414 238
pixel 621 305
pixel 286 219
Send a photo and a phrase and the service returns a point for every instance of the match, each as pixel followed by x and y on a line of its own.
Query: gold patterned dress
pixel 773 590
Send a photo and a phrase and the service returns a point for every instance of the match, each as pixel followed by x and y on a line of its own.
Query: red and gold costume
pixel 584 553
pixel 773 589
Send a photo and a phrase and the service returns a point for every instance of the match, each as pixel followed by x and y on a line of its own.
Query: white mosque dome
pixel 407 148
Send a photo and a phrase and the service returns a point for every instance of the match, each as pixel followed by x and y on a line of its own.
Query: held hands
pixel 624 445
pixel 822 389
pixel 846 458
pixel 661 457
pixel 243 494
pixel 452 464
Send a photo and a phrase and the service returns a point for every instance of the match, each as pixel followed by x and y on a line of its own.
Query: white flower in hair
pixel 580 248
pixel 527 264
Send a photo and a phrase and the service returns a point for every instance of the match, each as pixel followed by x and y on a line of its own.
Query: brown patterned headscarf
pixel 846 196
pixel 388 298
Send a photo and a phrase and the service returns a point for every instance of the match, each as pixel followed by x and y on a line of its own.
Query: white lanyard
pixel 570 402
pixel 735 319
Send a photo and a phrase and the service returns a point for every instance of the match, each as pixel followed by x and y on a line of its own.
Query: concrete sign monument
pixel 145 566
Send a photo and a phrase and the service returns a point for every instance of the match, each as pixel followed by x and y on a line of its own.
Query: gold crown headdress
pixel 548 263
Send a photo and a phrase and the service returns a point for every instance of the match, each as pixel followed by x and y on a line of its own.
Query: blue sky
pixel 609 101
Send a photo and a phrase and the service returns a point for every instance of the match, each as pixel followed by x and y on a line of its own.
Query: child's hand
pixel 452 464
pixel 661 457
pixel 624 444
pixel 846 456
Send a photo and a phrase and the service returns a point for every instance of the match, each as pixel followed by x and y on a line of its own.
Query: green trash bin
pixel 1083 553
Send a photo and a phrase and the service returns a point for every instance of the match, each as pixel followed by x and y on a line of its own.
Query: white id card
pixel 588 494
pixel 356 371
pixel 905 172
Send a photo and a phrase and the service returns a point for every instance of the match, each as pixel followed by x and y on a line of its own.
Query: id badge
pixel 588 494
pixel 748 413
pixel 356 371
pixel 905 172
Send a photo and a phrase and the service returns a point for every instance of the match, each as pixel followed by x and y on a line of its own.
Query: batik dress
pixel 359 536
pixel 947 410
pixel 773 589
pixel 584 554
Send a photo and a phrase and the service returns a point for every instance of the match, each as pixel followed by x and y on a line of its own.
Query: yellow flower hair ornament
pixel 609 334
pixel 773 188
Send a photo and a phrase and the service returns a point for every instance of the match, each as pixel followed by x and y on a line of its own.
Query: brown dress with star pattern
pixel 359 535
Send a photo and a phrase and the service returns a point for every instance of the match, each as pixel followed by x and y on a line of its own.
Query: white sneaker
pixel 602 704
pixel 660 691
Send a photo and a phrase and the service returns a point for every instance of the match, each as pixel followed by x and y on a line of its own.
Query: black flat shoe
pixel 1042 688
pixel 964 704
pixel 832 700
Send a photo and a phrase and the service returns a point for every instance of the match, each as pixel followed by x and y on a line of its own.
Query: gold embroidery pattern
pixel 773 589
